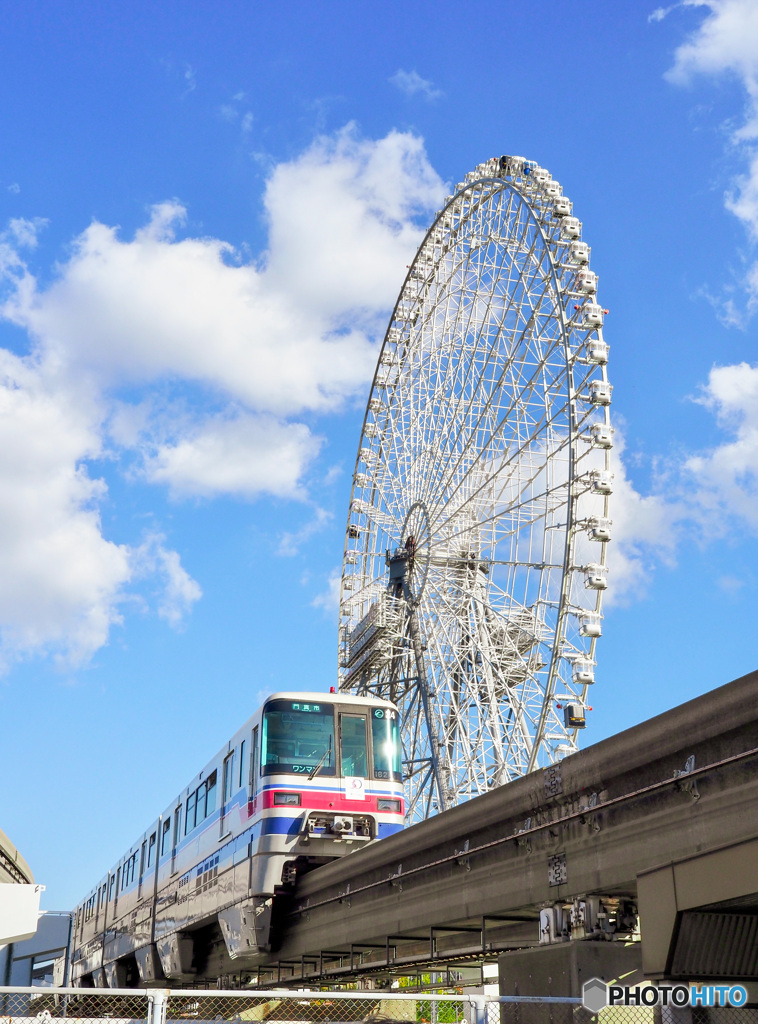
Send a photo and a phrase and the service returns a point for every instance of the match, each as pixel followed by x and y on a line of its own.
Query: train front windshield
pixel 298 737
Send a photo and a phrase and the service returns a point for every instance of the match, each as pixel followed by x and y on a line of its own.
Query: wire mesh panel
pixel 536 1010
pixel 46 1006
pixel 317 1008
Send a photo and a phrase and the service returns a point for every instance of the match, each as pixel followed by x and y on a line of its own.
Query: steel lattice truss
pixel 476 539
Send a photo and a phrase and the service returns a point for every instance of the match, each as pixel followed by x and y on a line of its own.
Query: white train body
pixel 310 777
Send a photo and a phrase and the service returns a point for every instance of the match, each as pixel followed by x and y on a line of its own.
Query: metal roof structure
pixel 13 867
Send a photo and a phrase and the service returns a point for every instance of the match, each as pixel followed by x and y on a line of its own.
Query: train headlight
pixel 388 805
pixel 290 799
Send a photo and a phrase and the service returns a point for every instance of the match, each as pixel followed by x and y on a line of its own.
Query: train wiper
pixel 327 753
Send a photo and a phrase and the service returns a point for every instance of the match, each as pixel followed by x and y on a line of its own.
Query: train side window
pixel 166 837
pixel 143 859
pixel 210 794
pixel 151 849
pixel 111 885
pixel 189 817
pixel 241 782
pixel 177 825
pixel 228 777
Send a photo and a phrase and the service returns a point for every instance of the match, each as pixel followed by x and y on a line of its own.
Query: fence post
pixel 157 1002
pixel 478 1009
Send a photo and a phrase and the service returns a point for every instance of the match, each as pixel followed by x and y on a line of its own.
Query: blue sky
pixel 206 212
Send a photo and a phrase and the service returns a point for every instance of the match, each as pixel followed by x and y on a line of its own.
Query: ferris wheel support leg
pixel 446 798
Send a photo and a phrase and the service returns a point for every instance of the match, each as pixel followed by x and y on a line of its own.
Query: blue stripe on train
pixel 291 827
pixel 281 826
pixel 388 828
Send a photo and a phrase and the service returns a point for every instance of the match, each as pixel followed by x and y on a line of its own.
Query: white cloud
pixel 329 599
pixel 257 343
pixel 244 456
pixel 275 335
pixel 190 80
pixel 230 113
pixel 63 582
pixel 660 13
pixel 342 221
pixel 180 591
pixel 24 232
pixel 725 478
pixel 61 579
pixel 646 532
pixel 291 543
pixel 412 84
pixel 726 43
pixel 704 496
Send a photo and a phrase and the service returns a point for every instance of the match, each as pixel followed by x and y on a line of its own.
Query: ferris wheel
pixel 475 556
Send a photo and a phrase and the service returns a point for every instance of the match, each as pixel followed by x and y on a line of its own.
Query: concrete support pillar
pixel 561 970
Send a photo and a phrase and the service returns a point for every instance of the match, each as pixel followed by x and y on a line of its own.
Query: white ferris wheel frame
pixel 477 534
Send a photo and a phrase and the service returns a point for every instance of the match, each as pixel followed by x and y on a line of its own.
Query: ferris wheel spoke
pixel 453 414
pixel 505 417
pixel 479 383
pixel 472 498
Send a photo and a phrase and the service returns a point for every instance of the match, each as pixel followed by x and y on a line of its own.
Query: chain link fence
pixel 539 1010
pixel 163 1006
pixel 160 1006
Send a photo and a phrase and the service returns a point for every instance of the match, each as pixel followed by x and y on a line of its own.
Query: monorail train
pixel 308 778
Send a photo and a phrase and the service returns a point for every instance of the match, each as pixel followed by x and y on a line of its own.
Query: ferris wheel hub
pixel 409 563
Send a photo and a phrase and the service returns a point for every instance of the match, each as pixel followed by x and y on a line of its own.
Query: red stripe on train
pixel 315 801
